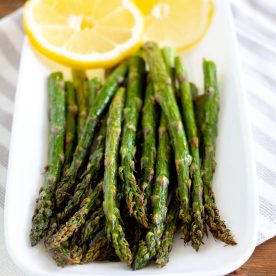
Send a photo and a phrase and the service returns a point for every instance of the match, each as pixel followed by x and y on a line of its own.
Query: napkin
pixel 255 27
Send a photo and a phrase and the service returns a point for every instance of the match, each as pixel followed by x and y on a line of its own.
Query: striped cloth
pixel 255 25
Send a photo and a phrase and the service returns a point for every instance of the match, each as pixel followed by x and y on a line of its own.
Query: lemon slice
pixel 177 23
pixel 84 33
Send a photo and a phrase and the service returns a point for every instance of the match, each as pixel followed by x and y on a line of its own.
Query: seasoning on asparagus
pixel 147 250
pixel 149 143
pixel 106 93
pixel 133 194
pixel 45 202
pixel 164 95
pixel 209 133
pixel 76 221
pixel 192 134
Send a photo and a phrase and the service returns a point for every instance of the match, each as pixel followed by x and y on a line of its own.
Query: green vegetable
pixel 106 93
pixel 149 126
pixel 192 133
pixel 93 225
pixel 114 230
pixel 164 95
pixel 94 165
pixel 94 85
pixel 147 249
pixel 133 194
pixel 166 244
pixel 76 221
pixel 209 134
pixel 45 203
pixel 80 83
pixel 71 112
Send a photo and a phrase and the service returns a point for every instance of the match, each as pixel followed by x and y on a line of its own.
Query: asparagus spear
pixel 165 97
pixel 77 252
pixel 80 83
pixel 71 112
pixel 45 202
pixel 94 164
pixel 94 85
pixel 147 250
pixel 69 253
pixel 61 255
pixel 93 225
pixel 165 246
pixel 100 250
pixel 149 143
pixel 95 249
pixel 114 230
pixel 209 133
pixel 106 93
pixel 192 133
pixel 76 221
pixel 168 54
pixel 134 196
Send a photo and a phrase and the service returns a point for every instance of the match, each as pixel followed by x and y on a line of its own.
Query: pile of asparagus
pixel 130 163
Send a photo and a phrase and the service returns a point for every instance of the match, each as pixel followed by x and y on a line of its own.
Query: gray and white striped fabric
pixel 255 25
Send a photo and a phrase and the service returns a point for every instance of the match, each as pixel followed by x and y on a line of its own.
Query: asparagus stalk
pixel 94 85
pixel 192 133
pixel 147 250
pixel 92 226
pixel 209 133
pixel 165 246
pixel 133 194
pixel 45 203
pixel 168 54
pixel 80 83
pixel 106 93
pixel 94 164
pixel 165 97
pixel 71 112
pixel 76 221
pixel 114 229
pixel 149 143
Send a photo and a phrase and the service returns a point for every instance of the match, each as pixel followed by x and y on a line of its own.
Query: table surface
pixel 263 260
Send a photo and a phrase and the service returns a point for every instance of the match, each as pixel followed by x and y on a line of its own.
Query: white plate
pixel 234 183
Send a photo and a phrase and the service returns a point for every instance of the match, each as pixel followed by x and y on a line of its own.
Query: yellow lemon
pixel 84 33
pixel 177 23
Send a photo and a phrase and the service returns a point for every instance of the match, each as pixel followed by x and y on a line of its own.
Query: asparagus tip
pixel 217 226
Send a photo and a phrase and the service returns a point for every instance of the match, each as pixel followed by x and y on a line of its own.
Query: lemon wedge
pixel 177 23
pixel 84 33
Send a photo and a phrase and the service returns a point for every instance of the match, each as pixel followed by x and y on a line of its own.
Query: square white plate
pixel 234 183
